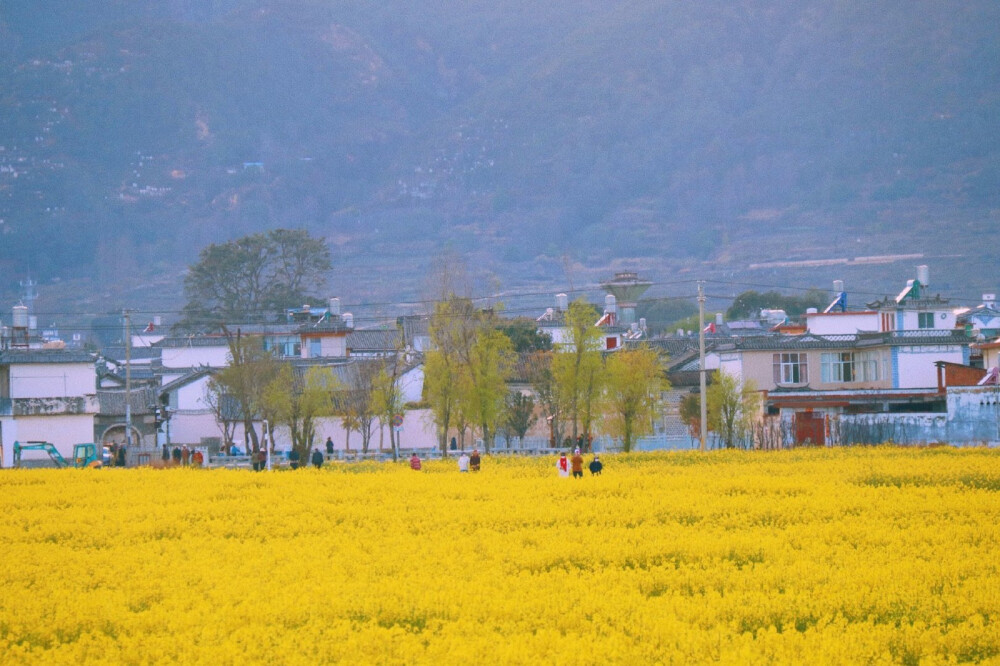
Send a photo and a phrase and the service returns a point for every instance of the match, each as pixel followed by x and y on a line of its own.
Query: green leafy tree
pixel 485 378
pixel 297 403
pixel 689 411
pixel 467 382
pixel 634 383
pixel 734 406
pixel 749 303
pixel 440 393
pixel 520 414
pixel 249 278
pixel 243 381
pixel 577 368
pixel 387 398
pixel 524 335
pixel 547 389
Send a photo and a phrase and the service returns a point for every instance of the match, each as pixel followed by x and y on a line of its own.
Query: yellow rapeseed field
pixel 868 555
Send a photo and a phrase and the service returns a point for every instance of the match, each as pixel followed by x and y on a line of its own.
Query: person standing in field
pixel 596 466
pixel 329 446
pixel 185 455
pixel 577 464
pixel 563 466
pixel 463 462
pixel 475 460
pixel 317 458
pixel 293 458
pixel 415 462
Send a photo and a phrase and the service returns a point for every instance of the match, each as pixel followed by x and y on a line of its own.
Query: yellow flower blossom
pixel 863 555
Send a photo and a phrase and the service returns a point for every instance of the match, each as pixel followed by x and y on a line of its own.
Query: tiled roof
pixel 193 341
pixel 848 341
pixel 113 402
pixel 16 356
pixel 334 325
pixel 194 375
pixel 118 353
pixel 374 340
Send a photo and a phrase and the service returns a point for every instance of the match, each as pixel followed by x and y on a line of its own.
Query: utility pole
pixel 128 379
pixel 701 361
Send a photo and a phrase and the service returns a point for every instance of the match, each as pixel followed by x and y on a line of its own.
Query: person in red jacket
pixel 415 462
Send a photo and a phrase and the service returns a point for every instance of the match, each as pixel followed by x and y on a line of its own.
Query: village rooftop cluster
pixel 910 369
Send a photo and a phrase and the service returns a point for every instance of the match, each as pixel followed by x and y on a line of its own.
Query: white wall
pixel 915 364
pixel 943 319
pixel 192 357
pixel 52 380
pixel 411 384
pixel 62 431
pixel 729 362
pixel 836 323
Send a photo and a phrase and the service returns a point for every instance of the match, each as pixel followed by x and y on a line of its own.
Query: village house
pixel 46 395
pixel 880 360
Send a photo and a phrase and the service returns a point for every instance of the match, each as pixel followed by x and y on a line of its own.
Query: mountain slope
pixel 651 134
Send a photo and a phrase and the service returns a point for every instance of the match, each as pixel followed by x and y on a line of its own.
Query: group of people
pixel 183 456
pixel 566 466
pixel 574 465
pixel 465 461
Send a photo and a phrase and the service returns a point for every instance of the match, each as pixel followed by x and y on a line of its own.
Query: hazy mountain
pixel 541 140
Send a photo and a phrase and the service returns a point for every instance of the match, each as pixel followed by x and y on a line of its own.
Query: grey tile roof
pixel 112 402
pixel 848 341
pixel 15 356
pixel 375 340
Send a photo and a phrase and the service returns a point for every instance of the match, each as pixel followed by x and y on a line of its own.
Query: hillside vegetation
pixel 654 134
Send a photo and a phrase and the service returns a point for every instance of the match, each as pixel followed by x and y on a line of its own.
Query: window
pixel 790 369
pixel 836 367
pixel 925 320
pixel 866 366
pixel 841 367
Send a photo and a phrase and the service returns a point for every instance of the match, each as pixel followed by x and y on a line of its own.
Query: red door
pixel 810 428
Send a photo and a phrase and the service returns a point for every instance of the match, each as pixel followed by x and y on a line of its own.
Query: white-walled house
pixel 47 395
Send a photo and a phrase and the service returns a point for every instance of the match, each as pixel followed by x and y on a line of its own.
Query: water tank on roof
pixel 20 317
pixel 610 303
pixel 924 275
pixel 562 302
pixel 335 307
pixel 838 286
pixel 348 320
pixel 811 310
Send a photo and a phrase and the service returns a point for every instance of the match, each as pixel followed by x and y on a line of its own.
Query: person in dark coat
pixel 176 455
pixel 596 466
pixel 454 444
pixel 293 458
pixel 121 456
pixel 475 460
pixel 329 446
pixel 317 459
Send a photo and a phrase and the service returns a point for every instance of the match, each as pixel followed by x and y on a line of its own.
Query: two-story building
pixel 46 395
pixel 883 359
